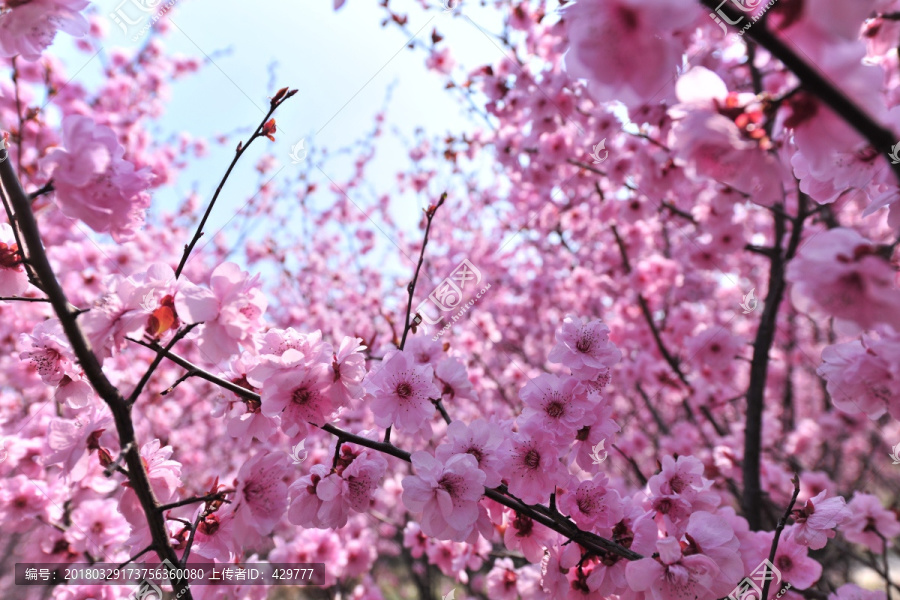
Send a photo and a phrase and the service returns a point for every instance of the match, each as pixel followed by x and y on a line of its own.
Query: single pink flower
pixel 305 500
pixel 94 183
pixel 531 464
pixel 592 504
pixel 556 404
pixel 673 575
pixel 298 396
pixel 815 522
pixel 22 503
pixel 349 370
pixel 869 522
pixel 29 27
pixel 401 392
pixel 350 487
pixel 96 526
pixel 446 494
pixel 261 498
pixel 482 440
pixel 585 348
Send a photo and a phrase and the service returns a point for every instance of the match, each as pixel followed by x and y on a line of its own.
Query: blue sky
pixel 343 62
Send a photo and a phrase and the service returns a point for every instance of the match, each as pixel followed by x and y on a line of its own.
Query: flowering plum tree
pixel 680 378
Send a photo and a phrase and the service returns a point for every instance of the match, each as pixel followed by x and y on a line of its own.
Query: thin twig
pixel 179 335
pixel 279 98
pixel 778 529
pixel 208 497
pixel 411 288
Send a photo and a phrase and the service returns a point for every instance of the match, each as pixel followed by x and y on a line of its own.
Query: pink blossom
pixel 531 464
pixel 297 396
pixel 50 353
pixel 839 271
pixel 712 536
pixel 851 591
pixel 585 348
pixel 28 28
pixel 796 567
pixel 349 487
pixel 68 441
pixel 13 279
pixel 401 391
pixel 869 522
pixel 96 526
pixel 480 439
pixel 501 580
pixel 623 49
pixel 216 537
pixel 261 498
pixel 94 183
pixel 349 367
pixel 673 575
pixel 241 305
pixel 815 522
pixel 555 404
pixel 591 503
pixel 863 375
pixel 305 501
pixel 22 503
pixel 677 476
pixel 523 534
pixel 453 380
pixel 164 476
pixel 446 493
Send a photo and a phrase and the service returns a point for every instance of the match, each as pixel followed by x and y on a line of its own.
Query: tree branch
pixel 34 253
pixel 759 366
pixel 880 138
pixel 277 101
pixel 588 540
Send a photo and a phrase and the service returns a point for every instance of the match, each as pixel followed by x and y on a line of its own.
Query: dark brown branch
pixel 634 466
pixel 645 309
pixel 759 366
pixel 411 288
pixel 19 299
pixel 239 151
pixel 778 529
pixel 179 335
pixel 208 497
pixel 33 251
pixel 539 513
